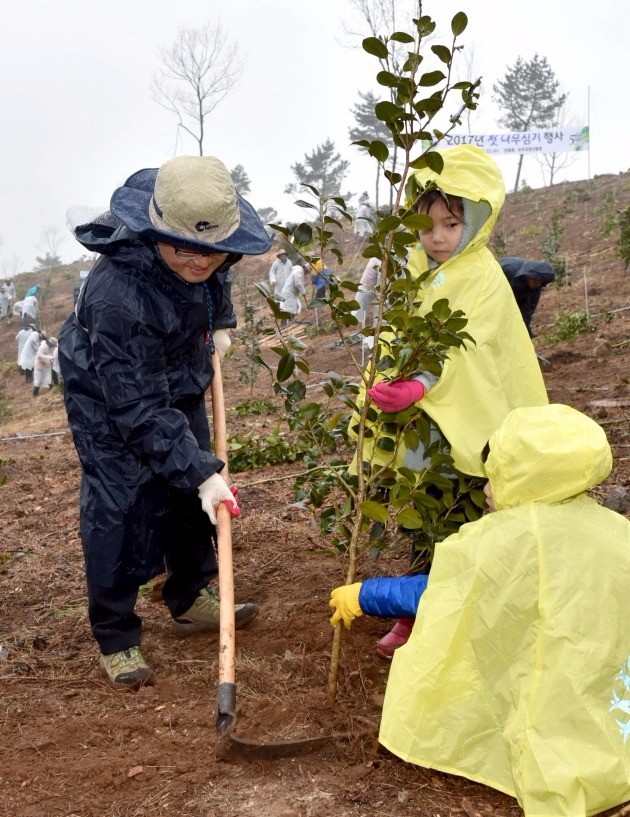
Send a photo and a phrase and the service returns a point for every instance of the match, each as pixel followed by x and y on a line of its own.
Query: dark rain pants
pixel 115 624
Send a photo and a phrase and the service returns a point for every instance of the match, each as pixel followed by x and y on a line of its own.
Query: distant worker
pixel 363 224
pixel 22 336
pixel 320 278
pixel 30 309
pixel 527 278
pixel 42 369
pixel 293 291
pixel 29 350
pixel 366 296
pixel 5 301
pixel 279 272
pixel 7 296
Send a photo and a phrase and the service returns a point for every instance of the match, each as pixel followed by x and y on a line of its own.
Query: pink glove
pixel 214 491
pixel 391 397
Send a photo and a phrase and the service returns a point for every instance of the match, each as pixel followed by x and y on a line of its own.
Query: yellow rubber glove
pixel 345 602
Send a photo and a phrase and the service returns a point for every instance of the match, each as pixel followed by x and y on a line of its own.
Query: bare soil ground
pixel 72 746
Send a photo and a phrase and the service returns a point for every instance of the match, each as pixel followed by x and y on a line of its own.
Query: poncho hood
pixel 534 457
pixel 472 174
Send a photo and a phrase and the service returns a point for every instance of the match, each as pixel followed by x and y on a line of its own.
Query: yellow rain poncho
pixel 481 383
pixel 517 672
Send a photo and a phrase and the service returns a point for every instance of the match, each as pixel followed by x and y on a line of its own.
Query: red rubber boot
pixel 396 637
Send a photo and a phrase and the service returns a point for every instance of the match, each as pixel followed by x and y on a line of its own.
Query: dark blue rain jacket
pixel 135 368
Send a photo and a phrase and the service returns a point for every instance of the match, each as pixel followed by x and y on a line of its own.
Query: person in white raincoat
pixel 30 309
pixel 22 336
pixel 517 671
pixel 293 291
pixel 42 369
pixel 279 272
pixel 27 357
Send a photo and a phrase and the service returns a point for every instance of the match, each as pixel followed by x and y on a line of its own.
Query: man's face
pixel 282 256
pixel 192 267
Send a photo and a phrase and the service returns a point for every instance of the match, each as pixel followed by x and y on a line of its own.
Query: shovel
pixel 231 747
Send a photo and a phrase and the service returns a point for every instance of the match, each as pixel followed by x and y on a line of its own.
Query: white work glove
pixel 214 491
pixel 222 342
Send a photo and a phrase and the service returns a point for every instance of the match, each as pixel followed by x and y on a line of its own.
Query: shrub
pixel 569 325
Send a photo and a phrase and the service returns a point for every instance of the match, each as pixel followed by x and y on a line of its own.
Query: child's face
pixel 194 269
pixel 442 239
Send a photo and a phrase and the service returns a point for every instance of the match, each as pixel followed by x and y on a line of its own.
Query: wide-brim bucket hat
pixel 190 202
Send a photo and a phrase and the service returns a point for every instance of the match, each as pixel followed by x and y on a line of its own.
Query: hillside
pixel 70 745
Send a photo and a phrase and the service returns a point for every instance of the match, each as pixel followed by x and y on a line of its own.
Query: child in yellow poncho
pixel 482 382
pixel 517 672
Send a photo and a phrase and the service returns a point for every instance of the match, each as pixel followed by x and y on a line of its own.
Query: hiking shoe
pixel 204 613
pixel 396 637
pixel 127 669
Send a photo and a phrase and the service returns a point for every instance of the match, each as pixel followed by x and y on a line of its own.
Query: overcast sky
pixel 78 116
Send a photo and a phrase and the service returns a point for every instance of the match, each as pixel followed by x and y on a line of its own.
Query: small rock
pixel 618 499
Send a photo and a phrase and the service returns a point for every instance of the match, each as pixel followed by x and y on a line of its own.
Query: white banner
pixel 554 140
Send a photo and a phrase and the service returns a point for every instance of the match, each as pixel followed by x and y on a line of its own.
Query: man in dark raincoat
pixel 527 279
pixel 136 362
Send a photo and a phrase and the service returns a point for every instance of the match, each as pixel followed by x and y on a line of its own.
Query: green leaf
pixel 387 79
pixel 401 37
pixel 388 223
pixel 418 221
pixel 375 47
pixel 386 444
pixel 434 161
pixel 379 151
pixel 411 438
pixel 392 178
pixel 410 518
pixel 258 359
pixel 459 23
pixel 303 234
pixel 441 309
pixel 285 367
pixel 310 411
pixel 431 78
pixel 387 111
pixel 374 510
pixel 442 53
pixel 302 203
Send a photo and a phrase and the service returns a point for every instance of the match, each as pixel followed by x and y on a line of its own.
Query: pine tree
pixel 530 96
pixel 323 168
pixel 370 127
pixel 241 180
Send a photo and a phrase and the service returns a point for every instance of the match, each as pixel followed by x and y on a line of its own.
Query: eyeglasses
pixel 193 256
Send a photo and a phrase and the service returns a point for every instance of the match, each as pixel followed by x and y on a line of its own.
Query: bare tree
pixel 198 71
pixel 552 163
pixel 382 16
pixel 469 71
pixel 50 242
pixel 10 267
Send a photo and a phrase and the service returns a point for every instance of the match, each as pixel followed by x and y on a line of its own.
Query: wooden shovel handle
pixel 227 661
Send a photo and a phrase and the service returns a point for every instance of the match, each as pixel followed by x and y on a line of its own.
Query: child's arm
pixel 396 597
